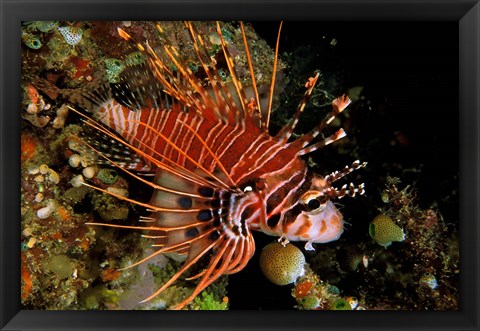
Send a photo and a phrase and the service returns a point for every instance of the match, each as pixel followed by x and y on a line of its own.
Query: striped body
pixel 247 154
pixel 244 151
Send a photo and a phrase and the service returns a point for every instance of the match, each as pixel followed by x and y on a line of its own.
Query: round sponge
pixel 384 230
pixel 282 265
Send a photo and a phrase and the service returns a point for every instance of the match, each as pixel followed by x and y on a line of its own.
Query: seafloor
pixel 403 121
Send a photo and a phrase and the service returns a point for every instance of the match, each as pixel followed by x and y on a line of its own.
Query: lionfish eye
pixel 314 201
pixel 313 204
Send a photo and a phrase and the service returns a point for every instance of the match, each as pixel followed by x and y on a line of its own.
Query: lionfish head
pixel 310 214
pixel 320 219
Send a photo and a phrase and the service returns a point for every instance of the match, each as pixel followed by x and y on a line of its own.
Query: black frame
pixel 466 12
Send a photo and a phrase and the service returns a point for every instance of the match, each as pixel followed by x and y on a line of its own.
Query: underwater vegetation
pixel 399 249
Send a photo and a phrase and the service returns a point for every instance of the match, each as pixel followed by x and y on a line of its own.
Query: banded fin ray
pixel 113 151
pixel 189 91
pixel 225 104
pixel 172 85
pixel 138 88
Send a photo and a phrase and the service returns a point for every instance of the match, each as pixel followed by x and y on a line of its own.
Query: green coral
pixel 223 75
pixel 384 230
pixel 309 302
pixel 96 297
pixel 206 301
pixel 114 68
pixel 108 207
pixel 163 274
pixel 341 304
pixel 108 176
pixel 214 50
pixel 134 58
pixel 60 265
pixel 31 41
pixel 42 26
pixel 227 35
pixel 211 298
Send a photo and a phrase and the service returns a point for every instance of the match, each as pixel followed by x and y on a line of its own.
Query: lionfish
pixel 218 173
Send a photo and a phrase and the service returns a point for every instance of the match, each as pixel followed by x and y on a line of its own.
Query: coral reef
pixel 311 293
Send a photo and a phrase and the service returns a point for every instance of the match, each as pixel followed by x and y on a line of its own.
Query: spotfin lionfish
pixel 218 173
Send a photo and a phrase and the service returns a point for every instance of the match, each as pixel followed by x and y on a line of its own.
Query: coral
pixel 99 296
pixel 309 302
pixel 46 211
pixel 82 68
pixel 109 208
pixel 71 34
pixel 384 230
pixel 31 41
pixel 42 26
pixel 413 274
pixel 352 301
pixel 134 58
pixel 28 145
pixel 110 274
pixel 281 264
pixel 212 298
pixel 113 69
pixel 428 280
pixel 341 304
pixel 303 288
pixel 34 104
pixel 311 293
pixel 205 301
pixel 61 265
pixel 108 176
pixel 27 284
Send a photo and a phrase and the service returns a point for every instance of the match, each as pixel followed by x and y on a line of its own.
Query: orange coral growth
pixel 85 244
pixel 28 146
pixel 303 288
pixel 57 235
pixel 109 274
pixel 27 283
pixel 82 66
pixel 32 93
pixel 62 214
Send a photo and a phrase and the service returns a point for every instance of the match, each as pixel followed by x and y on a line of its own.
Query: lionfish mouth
pixel 217 172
